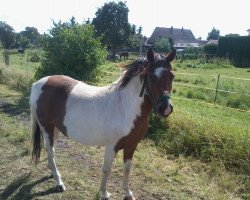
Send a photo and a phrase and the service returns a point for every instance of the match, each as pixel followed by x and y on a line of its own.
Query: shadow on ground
pixel 22 189
pixel 19 109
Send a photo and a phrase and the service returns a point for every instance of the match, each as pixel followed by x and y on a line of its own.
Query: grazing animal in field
pixel 21 50
pixel 124 55
pixel 115 116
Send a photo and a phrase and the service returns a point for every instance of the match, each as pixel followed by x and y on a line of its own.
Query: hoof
pixel 129 198
pixel 60 188
pixel 106 196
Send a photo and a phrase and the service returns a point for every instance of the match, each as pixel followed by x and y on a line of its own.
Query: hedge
pixel 237 49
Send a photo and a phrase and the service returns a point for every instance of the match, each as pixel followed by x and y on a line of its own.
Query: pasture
pixel 201 152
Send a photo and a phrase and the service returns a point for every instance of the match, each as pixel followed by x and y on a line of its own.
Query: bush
pixel 237 49
pixel 210 50
pixel 162 45
pixel 34 57
pixel 71 49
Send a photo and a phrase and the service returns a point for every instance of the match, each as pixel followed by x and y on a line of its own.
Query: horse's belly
pixel 85 137
pixel 95 132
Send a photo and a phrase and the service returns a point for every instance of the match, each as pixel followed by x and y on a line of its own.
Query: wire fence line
pixel 208 88
pixel 216 88
pixel 185 73
pixel 211 104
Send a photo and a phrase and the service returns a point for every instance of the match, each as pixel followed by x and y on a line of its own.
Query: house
pixel 213 42
pixel 182 38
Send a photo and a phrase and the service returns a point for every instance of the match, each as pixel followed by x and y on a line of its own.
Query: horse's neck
pixel 129 95
pixel 133 87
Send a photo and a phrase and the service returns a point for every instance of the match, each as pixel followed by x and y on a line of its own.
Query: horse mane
pixel 133 70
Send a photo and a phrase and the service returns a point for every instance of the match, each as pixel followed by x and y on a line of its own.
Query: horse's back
pixel 50 87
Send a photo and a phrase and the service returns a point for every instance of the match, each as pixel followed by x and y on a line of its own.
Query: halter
pixel 150 96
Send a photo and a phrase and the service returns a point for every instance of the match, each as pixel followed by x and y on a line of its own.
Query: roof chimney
pixel 171 29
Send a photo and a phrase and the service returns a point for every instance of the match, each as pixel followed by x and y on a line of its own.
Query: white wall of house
pixel 185 45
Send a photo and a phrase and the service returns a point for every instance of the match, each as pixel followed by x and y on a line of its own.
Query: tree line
pixel 77 49
pixel 110 23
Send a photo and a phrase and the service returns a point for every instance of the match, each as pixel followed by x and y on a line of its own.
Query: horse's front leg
pixel 127 157
pixel 108 160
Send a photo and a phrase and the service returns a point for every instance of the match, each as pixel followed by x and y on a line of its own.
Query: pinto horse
pixel 115 116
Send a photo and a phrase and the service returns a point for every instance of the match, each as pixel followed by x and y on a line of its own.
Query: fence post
pixel 216 90
pixel 6 58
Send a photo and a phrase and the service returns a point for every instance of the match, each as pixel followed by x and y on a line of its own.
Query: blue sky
pixel 198 15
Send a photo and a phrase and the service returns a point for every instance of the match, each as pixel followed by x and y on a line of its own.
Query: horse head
pixel 157 81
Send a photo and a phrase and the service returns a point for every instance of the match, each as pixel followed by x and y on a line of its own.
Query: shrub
pixel 71 49
pixel 210 50
pixel 34 57
pixel 237 49
pixel 162 45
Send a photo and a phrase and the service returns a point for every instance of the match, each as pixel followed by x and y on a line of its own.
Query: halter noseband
pixel 148 93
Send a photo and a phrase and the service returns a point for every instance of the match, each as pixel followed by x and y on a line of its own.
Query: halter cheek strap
pixel 143 86
pixel 163 97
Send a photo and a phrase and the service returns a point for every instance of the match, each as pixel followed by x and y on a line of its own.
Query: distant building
pixel 182 38
pixel 213 42
pixel 202 42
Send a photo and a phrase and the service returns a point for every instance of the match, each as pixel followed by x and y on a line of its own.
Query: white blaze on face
pixel 159 71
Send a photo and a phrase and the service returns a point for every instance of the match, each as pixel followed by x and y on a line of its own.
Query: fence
pixel 216 87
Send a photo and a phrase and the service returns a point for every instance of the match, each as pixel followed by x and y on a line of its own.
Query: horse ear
pixel 171 56
pixel 150 55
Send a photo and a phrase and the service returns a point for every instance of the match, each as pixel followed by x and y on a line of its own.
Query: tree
pixel 135 39
pixel 139 30
pixel 111 22
pixel 30 33
pixel 134 42
pixel 7 35
pixel 23 42
pixel 214 34
pixel 162 45
pixel 73 50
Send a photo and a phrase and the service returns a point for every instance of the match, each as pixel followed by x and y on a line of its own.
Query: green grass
pixel 20 73
pixel 194 78
pixel 155 175
pixel 208 145
pixel 206 131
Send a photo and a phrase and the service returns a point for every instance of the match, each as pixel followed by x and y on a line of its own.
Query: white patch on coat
pixel 36 91
pixel 126 172
pixel 102 115
pixel 159 71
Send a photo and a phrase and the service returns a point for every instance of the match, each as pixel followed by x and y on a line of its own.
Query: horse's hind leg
pixel 49 137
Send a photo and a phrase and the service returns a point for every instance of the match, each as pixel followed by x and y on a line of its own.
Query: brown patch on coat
pixel 129 142
pixel 51 104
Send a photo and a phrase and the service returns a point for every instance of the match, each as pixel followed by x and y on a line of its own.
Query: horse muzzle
pixel 164 107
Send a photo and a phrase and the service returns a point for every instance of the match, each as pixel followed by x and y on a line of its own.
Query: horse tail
pixel 36 138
